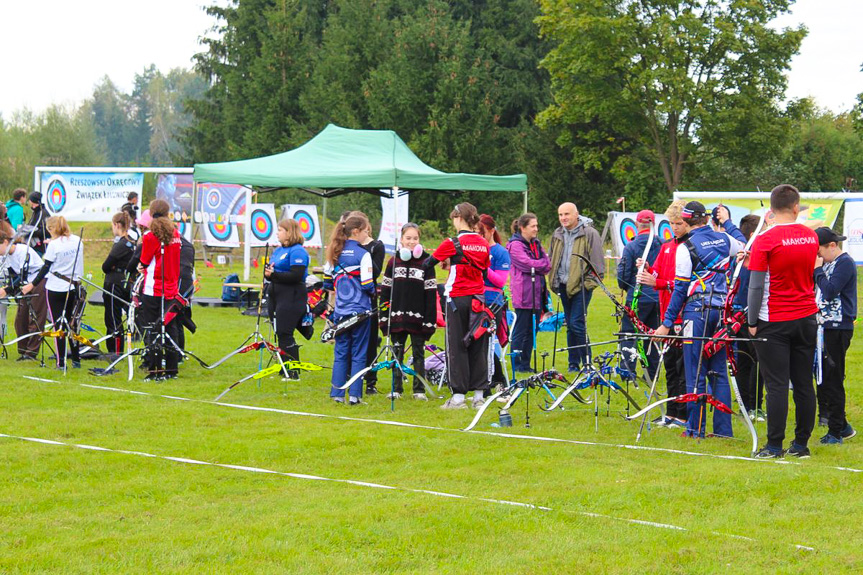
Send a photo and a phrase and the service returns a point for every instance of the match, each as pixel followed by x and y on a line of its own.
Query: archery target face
pixel 262 225
pixel 628 230
pixel 306 222
pixel 214 198
pixel 664 231
pixel 220 231
pixel 56 196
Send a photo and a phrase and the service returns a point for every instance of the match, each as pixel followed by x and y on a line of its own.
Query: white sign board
pixel 853 229
pixel 88 197
pixel 391 224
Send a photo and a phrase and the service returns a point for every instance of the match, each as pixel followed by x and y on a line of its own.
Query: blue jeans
pixel 717 366
pixel 522 337
pixel 575 314
pixel 349 357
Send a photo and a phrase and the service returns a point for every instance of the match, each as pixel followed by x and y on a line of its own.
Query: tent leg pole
pixel 247 246
pixel 524 210
pixel 323 232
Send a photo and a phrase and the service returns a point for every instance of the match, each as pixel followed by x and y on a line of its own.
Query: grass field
pixel 592 503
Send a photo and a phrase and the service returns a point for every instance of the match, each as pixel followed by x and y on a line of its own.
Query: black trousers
pixel 832 389
pixel 161 358
pixel 418 341
pixel 675 381
pixel 287 305
pixel 60 307
pixel 750 380
pixel 114 310
pixel 787 355
pixel 371 377
pixel 467 367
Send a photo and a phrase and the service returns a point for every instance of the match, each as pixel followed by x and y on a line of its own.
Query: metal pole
pixel 247 246
pixel 323 232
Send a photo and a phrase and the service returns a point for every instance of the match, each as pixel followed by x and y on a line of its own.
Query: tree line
pixel 592 99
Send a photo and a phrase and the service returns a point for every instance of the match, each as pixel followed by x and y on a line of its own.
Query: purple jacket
pixel 525 256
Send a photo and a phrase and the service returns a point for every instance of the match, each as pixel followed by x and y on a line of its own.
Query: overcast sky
pixel 55 51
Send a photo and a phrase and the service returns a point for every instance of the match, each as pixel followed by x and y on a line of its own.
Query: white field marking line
pixel 476 432
pixel 358 483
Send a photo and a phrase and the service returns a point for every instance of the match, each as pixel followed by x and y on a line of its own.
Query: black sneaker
pixel 769 453
pixel 372 391
pixel 848 432
pixel 798 451
pixel 26 358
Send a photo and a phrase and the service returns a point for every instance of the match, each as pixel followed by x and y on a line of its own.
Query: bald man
pixel 568 278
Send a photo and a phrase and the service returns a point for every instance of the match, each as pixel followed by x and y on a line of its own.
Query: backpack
pixel 231 293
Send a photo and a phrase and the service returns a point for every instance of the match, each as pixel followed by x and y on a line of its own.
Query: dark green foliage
pixel 670 82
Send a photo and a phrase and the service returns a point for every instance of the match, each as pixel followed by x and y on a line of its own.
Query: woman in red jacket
pixel 160 264
pixel 466 256
pixel 661 277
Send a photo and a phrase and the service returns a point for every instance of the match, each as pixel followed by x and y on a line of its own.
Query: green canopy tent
pixel 341 160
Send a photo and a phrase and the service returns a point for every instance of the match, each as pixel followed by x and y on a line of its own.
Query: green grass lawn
pixel 71 510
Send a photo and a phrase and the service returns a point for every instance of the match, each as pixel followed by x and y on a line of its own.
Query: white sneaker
pixel 478 402
pixel 421 396
pixel 394 395
pixel 452 404
pixel 338 399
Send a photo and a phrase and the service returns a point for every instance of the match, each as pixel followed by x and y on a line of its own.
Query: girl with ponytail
pixel 495 282
pixel 160 264
pixel 117 281
pixel 64 259
pixel 467 258
pixel 348 272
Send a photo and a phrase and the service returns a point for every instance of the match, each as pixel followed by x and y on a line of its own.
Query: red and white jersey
pixel 465 274
pixel 787 253
pixel 162 271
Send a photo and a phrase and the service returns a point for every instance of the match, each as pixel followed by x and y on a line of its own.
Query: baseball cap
pixel 145 219
pixel 645 216
pixel 36 197
pixel 693 209
pixel 826 235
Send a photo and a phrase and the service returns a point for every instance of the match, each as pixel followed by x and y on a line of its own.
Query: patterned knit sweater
pixel 414 293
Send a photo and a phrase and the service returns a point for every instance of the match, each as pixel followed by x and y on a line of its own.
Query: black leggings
pixel 159 352
pixel 60 306
pixel 114 310
pixel 418 340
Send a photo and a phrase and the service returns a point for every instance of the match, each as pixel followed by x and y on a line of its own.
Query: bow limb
pixel 636 295
pixel 652 391
pixel 491 399
pixel 355 377
pixel 648 408
pixel 571 390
